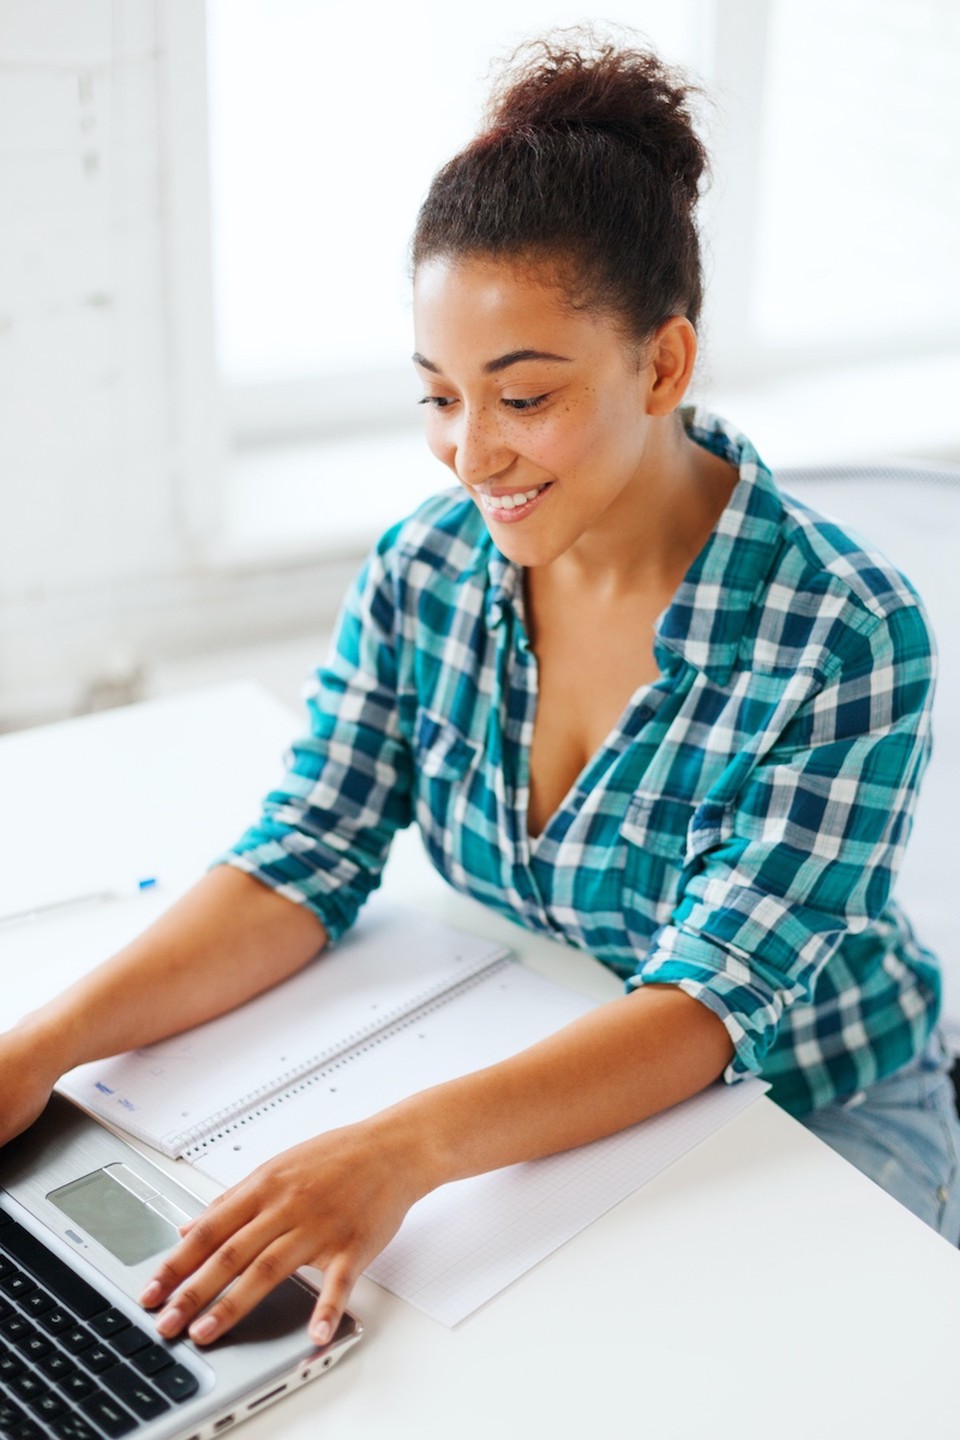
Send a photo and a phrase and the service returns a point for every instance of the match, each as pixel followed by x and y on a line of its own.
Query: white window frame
pixel 741 32
pixel 198 420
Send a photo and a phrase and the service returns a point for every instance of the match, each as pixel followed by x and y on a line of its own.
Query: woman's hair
pixel 589 161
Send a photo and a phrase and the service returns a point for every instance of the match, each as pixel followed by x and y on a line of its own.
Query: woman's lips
pixel 511 506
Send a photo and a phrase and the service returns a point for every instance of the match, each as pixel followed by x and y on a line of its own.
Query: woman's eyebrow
pixel 515 356
pixel 502 362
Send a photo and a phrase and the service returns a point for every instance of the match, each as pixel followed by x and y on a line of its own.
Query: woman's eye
pixel 439 402
pixel 528 404
pixel 443 402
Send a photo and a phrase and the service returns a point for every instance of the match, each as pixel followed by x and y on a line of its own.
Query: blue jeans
pixel 904 1133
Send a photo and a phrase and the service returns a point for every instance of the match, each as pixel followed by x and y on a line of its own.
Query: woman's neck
pixel 650 536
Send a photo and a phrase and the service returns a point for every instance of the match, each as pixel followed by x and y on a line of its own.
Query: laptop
pixel 83 1218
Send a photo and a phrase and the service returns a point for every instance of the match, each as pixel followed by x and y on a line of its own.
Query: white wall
pixel 105 423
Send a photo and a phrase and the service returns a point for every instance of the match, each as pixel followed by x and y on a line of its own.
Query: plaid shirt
pixel 737 834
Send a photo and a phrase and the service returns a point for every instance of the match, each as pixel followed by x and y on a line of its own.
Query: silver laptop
pixel 83 1217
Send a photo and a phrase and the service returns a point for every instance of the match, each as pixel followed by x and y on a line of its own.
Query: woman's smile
pixel 507 507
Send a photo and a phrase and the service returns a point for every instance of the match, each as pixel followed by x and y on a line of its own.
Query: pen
pixel 68 902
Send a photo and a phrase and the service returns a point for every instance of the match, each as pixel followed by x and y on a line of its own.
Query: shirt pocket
pixel 440 751
pixel 445 764
pixel 658 824
pixel 654 836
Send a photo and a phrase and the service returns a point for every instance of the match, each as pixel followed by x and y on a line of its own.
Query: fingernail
pixel 204 1329
pixel 151 1294
pixel 171 1321
pixel 320 1332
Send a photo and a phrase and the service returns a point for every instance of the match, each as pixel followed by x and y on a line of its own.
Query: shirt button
pixel 943 1194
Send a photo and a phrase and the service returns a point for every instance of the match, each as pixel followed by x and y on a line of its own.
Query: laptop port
pixel 270 1395
pixel 223 1423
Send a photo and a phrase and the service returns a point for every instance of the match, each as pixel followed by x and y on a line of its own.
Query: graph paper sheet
pixel 464 1243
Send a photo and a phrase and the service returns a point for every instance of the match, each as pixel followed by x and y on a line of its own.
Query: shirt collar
pixel 705 619
pixel 504 582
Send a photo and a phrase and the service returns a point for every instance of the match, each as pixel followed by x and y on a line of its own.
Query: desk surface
pixel 759 1286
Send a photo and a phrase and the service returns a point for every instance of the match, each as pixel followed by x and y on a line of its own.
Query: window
pixel 324 138
pixel 831 228
pixel 862 127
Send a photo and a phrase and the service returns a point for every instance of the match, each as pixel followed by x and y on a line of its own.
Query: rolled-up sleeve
pixel 800 841
pixel 324 834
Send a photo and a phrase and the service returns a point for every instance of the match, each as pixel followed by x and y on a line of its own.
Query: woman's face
pixel 541 411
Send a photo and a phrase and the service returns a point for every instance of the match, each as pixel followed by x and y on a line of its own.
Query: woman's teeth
pixel 510 502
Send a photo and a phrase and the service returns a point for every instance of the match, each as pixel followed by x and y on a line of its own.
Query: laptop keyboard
pixel 71 1365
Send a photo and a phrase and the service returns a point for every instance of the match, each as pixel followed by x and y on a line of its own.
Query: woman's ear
pixel 672 355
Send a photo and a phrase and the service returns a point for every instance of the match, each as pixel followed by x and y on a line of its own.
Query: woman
pixel 633 696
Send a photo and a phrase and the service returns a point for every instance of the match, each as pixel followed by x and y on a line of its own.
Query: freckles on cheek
pixel 573 440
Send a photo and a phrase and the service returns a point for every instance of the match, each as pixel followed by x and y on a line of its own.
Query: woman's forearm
pixel 227 939
pixel 617 1065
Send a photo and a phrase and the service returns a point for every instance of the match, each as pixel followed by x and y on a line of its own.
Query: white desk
pixel 759 1287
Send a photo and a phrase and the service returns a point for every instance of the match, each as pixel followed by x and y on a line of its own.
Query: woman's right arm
pixel 227 939
pixel 324 832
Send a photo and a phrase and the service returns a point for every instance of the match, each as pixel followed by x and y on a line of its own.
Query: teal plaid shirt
pixel 738 833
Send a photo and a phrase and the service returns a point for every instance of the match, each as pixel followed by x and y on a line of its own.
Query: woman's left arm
pixel 337 1200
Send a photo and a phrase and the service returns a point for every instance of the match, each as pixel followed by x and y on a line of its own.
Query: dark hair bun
pixel 590 159
pixel 630 93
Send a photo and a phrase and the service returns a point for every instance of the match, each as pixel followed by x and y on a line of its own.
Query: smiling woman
pixel 633 695
pixel 561 444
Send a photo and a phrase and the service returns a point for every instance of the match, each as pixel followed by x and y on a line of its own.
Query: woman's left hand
pixel 333 1202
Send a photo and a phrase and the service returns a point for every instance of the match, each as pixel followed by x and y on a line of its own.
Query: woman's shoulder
pixel 801 589
pixel 819 545
pixel 842 594
pixel 811 549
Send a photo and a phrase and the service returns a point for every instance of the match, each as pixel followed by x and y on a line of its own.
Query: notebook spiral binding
pixel 228 1122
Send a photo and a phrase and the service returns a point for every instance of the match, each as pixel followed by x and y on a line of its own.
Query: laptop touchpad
pixel 121 1212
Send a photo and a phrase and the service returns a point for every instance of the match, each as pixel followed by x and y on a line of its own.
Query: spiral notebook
pixel 402 1003
pixel 183 1094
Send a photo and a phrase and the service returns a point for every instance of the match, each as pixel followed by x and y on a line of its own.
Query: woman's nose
pixel 480 453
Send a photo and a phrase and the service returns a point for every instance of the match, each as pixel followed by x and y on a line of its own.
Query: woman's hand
pixel 333 1202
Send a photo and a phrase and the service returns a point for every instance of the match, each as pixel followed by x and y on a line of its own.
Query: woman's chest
pixel 604 870
pixel 590 668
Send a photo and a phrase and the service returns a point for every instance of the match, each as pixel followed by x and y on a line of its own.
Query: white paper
pixel 464 1243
